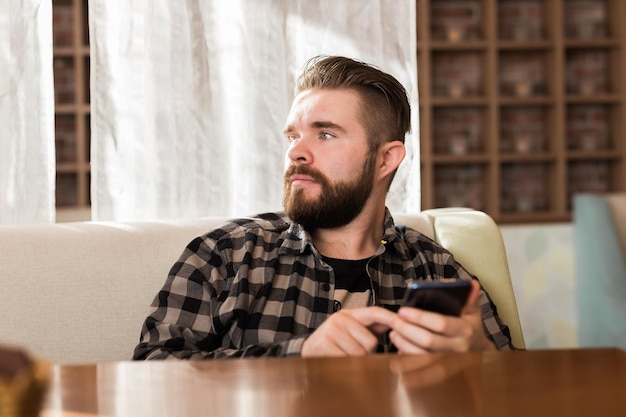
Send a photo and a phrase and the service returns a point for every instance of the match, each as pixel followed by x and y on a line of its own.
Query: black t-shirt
pixel 352 284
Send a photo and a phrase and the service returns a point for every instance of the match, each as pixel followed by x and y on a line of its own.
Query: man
pixel 327 276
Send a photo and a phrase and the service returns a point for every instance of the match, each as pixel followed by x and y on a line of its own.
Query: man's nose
pixel 300 152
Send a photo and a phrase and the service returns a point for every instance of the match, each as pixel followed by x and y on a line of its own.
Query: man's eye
pixel 326 136
pixel 292 138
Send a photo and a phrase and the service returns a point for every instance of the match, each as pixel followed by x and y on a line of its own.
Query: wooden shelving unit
pixel 72 112
pixel 522 104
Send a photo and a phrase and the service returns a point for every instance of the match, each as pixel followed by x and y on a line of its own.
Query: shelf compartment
pixel 62 23
pixel 458 130
pixel 456 21
pixel 524 74
pixel 458 75
pixel 590 177
pixel 462 185
pixel 589 127
pixel 525 187
pixel 586 19
pixel 65 143
pixel 521 21
pixel 64 80
pixel 587 72
pixel 66 189
pixel 523 130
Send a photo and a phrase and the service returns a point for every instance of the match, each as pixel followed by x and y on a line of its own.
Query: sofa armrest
pixel 476 242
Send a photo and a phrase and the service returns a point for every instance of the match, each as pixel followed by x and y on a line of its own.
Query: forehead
pixel 325 103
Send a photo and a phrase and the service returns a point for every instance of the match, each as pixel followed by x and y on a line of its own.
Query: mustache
pixel 305 170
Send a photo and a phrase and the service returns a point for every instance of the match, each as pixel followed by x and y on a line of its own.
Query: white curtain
pixel 189 98
pixel 27 169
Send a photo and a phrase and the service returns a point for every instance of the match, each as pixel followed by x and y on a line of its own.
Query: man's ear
pixel 391 155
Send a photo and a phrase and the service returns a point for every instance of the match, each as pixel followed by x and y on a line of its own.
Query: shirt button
pixel 336 306
pixel 326 287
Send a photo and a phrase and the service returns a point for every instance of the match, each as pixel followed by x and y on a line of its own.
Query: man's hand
pixel 417 331
pixel 349 333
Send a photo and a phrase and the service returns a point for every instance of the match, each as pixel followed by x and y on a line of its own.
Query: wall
pixel 541 261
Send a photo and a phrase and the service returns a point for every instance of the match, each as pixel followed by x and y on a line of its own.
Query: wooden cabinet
pixel 72 113
pixel 522 104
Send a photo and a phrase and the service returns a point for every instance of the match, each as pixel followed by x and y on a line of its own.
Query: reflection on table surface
pixel 586 382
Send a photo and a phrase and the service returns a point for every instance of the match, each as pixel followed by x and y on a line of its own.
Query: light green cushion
pixel 600 274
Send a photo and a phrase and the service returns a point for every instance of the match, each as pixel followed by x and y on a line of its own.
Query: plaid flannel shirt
pixel 258 287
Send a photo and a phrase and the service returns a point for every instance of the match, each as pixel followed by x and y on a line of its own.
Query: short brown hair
pixel 385 108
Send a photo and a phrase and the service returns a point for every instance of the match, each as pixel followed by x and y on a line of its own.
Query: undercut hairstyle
pixel 385 110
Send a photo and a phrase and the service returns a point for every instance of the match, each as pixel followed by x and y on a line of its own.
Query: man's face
pixel 329 169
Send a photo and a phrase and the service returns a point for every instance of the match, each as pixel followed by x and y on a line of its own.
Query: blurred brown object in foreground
pixel 23 383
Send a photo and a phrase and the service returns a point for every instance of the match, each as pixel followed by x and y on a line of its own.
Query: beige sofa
pixel 79 292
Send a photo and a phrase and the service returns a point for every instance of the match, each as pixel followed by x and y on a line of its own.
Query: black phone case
pixel 445 297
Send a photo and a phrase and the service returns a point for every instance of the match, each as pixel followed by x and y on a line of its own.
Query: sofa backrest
pixel 79 292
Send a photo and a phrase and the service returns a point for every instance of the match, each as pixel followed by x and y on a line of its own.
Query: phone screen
pixel 445 297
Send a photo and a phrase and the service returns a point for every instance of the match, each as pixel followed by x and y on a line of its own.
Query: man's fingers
pixel 378 319
pixel 404 345
pixel 348 333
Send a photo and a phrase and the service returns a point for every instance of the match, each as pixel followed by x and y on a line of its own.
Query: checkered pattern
pixel 258 287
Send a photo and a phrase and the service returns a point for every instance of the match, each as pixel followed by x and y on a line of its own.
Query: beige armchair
pixel 475 241
pixel 79 292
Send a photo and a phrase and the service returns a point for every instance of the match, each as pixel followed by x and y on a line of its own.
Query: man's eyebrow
pixel 327 125
pixel 317 125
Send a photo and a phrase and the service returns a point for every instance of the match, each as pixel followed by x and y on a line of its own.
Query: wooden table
pixel 588 382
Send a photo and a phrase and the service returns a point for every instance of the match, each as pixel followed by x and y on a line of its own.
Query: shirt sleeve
pixel 184 322
pixel 175 342
pixel 495 330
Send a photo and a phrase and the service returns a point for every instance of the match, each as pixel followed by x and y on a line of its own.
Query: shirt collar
pixel 297 240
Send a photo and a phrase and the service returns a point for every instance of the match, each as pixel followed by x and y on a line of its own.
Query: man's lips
pixel 299 180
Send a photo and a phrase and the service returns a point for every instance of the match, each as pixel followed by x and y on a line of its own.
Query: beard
pixel 337 204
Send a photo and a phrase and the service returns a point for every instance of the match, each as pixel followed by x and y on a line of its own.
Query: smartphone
pixel 446 297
